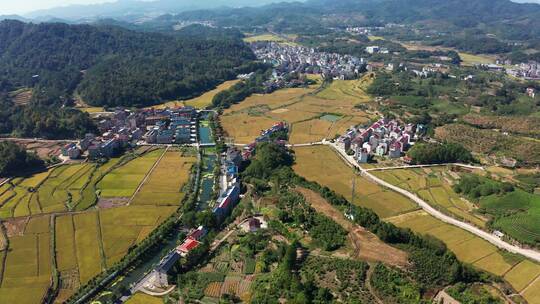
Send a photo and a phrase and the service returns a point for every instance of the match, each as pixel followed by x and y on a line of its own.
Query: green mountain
pixel 503 18
pixel 112 66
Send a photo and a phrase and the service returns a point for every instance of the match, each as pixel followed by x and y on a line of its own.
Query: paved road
pixel 532 254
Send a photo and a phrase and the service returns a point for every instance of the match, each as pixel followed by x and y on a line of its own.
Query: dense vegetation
pixel 472 294
pixel 114 66
pixel 295 210
pixel 14 160
pixel 435 153
pixel 43 121
pixel 475 186
pixel 395 285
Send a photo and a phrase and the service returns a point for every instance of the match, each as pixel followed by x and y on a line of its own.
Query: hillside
pixel 113 66
pixel 503 18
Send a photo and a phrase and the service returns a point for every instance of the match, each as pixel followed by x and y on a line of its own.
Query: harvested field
pixel 321 164
pixel 368 246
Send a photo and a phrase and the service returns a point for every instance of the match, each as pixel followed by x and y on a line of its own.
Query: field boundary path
pixel 529 253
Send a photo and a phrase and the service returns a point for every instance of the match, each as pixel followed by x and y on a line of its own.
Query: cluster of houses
pixel 171 126
pixel 375 49
pixel 118 130
pixel 266 135
pixel 385 137
pixel 529 71
pixel 298 59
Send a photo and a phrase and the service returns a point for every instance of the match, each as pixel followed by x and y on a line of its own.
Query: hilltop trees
pixel 434 153
pixel 113 66
pixel 15 160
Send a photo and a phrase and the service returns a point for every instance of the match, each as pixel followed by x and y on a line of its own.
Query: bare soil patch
pixel 15 226
pixel 106 203
pixel 367 245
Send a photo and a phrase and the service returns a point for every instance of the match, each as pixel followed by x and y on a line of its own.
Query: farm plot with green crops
pixel 124 180
pixel 56 190
pixel 164 185
pixel 434 186
pixel 516 213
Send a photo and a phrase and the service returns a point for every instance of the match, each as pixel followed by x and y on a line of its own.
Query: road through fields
pixel 529 253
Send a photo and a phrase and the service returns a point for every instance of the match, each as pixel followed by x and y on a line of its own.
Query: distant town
pixel 290 58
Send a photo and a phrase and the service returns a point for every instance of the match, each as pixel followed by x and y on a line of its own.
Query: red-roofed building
pixel 187 246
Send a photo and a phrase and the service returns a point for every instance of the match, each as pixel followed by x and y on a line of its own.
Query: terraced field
pixel 322 165
pixel 305 109
pixel 434 185
pixel 86 241
pixel 516 213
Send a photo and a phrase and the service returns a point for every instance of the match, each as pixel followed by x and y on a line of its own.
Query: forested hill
pixel 112 66
pixel 506 19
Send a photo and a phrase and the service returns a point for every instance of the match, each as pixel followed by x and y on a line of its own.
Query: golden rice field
pixel 27 270
pixel 89 241
pixel 141 298
pixel 313 113
pixel 324 166
pixel 434 185
pixel 321 164
pixel 164 185
pixel 201 102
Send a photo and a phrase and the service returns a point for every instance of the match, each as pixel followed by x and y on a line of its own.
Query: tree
pixel 15 161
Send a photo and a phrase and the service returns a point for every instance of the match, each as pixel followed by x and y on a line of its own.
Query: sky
pixel 8 7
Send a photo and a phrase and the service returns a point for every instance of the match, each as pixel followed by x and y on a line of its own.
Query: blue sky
pixel 24 6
